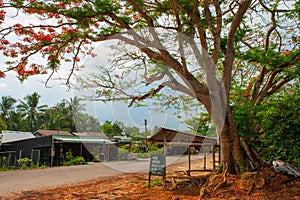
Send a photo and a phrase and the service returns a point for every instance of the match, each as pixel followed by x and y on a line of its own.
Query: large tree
pixel 217 34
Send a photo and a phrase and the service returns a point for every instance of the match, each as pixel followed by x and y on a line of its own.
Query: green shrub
pixel 78 160
pixel 4 162
pixel 24 162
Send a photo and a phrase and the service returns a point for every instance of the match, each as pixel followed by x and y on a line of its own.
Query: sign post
pixel 157 167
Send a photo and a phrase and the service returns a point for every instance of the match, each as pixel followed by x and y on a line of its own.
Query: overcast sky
pixel 11 86
pixel 56 92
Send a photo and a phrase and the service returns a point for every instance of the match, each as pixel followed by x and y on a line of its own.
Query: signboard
pixel 157 165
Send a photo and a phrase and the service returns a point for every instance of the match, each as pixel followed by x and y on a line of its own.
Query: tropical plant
pixel 6 107
pixel 75 108
pixel 24 162
pixel 71 160
pixel 110 128
pixel 53 120
pixel 87 123
pixel 2 127
pixel 29 109
pixel 272 127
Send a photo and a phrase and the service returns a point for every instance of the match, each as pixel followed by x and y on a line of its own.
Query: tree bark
pixel 231 153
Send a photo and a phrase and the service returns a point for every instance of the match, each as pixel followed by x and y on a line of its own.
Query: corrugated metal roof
pixel 11 136
pixel 81 139
pixel 180 138
pixel 51 132
pixel 91 134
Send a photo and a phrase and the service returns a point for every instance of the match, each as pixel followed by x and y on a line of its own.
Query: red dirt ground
pixel 132 187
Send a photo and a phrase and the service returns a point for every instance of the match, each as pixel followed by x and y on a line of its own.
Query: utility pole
pixel 146 145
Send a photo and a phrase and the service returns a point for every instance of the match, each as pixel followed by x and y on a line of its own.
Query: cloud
pixel 3 86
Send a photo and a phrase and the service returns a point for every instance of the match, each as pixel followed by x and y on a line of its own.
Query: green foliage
pixel 272 127
pixel 30 109
pixel 202 125
pixel 279 129
pixel 78 160
pixel 71 160
pixel 24 162
pixel 241 166
pixel 69 155
pixel 110 128
pixel 3 162
pixel 155 182
pixel 28 115
pixel 271 58
pixel 2 126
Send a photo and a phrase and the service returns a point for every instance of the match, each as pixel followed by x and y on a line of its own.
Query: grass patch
pixel 155 182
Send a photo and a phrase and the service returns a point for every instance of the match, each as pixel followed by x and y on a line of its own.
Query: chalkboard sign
pixel 157 165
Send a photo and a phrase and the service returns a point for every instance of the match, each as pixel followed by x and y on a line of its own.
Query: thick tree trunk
pixel 230 145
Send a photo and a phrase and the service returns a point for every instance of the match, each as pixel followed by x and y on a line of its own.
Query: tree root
pixel 213 179
pixel 248 183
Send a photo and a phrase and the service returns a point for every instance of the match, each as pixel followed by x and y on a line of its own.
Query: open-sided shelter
pixel 169 137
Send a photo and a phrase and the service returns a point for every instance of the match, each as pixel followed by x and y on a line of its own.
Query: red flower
pixel 49 48
pixel 17 25
pixel 286 52
pixel 51 30
pixel 5 42
pixel 2 74
pixel 60 5
pixel 42 37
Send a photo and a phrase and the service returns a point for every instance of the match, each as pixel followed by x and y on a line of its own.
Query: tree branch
pixel 230 50
pixel 145 96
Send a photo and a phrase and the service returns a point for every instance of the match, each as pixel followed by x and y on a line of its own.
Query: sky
pixel 56 92
pixel 111 111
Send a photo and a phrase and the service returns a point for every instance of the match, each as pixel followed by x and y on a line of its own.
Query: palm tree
pixel 75 108
pixel 52 120
pixel 17 123
pixel 30 109
pixel 6 107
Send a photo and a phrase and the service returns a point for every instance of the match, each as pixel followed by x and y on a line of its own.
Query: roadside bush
pixel 78 160
pixel 24 162
pixel 4 162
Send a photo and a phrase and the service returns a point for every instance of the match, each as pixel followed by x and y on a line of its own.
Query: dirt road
pixel 25 180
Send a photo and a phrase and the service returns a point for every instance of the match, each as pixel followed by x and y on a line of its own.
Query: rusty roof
pixel 50 132
pixel 169 136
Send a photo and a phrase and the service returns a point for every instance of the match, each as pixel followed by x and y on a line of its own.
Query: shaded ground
pixel 132 187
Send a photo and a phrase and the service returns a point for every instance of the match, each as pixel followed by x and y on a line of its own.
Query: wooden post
pixel 81 149
pixel 204 161
pixel 214 157
pixel 165 145
pixel 219 151
pixel 189 153
pixel 149 180
pixel 108 151
pixel 165 155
